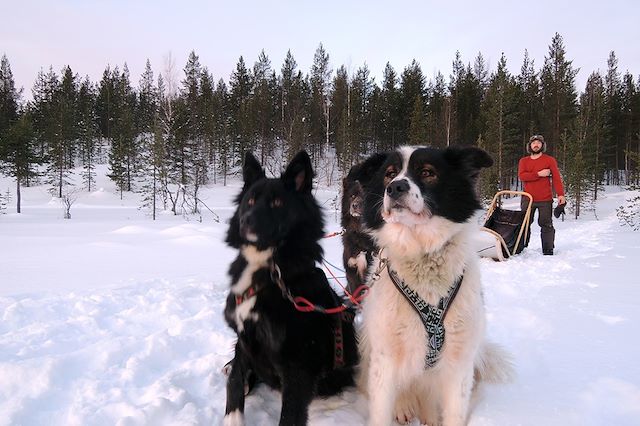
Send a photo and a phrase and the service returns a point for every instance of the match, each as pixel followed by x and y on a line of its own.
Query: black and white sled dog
pixel 276 229
pixel 424 365
pixel 357 243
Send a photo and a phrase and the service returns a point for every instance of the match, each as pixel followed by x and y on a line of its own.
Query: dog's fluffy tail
pixel 494 364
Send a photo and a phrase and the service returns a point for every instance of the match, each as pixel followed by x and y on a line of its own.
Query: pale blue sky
pixel 88 35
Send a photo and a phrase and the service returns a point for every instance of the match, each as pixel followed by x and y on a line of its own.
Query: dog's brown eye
pixel 427 173
pixel 251 201
pixel 277 202
pixel 391 173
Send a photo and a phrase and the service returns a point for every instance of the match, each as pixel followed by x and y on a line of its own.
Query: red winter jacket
pixel 540 187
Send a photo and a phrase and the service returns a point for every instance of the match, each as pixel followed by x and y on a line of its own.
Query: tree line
pixel 178 131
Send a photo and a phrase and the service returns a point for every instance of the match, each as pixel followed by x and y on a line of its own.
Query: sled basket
pixel 508 227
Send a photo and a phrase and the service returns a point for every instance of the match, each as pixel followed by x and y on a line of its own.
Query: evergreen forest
pixel 167 134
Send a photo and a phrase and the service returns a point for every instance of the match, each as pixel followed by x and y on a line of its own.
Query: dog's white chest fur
pixel 394 339
pixel 256 260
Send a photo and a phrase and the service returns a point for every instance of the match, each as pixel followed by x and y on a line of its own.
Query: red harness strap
pixel 247 294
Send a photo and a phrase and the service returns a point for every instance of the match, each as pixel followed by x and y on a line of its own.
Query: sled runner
pixel 508 228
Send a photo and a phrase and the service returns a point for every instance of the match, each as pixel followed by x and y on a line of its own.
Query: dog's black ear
pixel 364 171
pixel 251 169
pixel 471 158
pixel 299 174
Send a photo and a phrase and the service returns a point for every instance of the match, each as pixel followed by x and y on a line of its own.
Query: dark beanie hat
pixel 559 210
pixel 536 138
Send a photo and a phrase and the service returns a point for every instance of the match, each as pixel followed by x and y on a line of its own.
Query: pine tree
pixel 192 148
pixel 629 128
pixel 9 97
pixel 558 96
pixel 528 98
pixel 241 123
pixel 418 125
pixel 500 117
pixel 436 112
pixel 124 150
pixel 63 131
pixel 362 90
pixel 263 107
pixel 341 107
pixel 467 106
pixel 592 123
pixel 456 82
pixel 614 139
pixel 285 102
pixel 18 153
pixel 151 152
pixel 223 128
pixel 87 131
pixel 320 107
pixel 412 86
pixel 389 109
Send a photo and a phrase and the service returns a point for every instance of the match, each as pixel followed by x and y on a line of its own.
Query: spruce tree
pixel 18 153
pixel 61 121
pixel 629 129
pixel 389 109
pixel 362 90
pixel 123 157
pixel 9 97
pixel 418 124
pixel 241 123
pixel 151 154
pixel 558 97
pixel 456 82
pixel 412 86
pixel 437 99
pixel 208 117
pixel 320 107
pixel 88 141
pixel 500 119
pixel 341 107
pixel 223 128
pixel 263 108
pixel 614 139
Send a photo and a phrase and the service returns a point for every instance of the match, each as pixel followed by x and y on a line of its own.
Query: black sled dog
pixel 276 229
pixel 358 245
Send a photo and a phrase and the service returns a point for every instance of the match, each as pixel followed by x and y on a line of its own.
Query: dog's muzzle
pixel 397 189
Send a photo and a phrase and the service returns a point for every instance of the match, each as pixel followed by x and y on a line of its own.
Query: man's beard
pixel 536 150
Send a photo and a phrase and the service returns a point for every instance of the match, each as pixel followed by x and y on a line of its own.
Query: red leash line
pixel 304 305
pixel 334 234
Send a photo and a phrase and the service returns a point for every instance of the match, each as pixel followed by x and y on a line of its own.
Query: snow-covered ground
pixel 112 319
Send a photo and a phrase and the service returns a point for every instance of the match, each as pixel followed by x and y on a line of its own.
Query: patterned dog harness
pixel 432 316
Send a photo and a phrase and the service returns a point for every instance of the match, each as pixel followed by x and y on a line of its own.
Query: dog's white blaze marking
pixel 413 200
pixel 234 418
pixel 256 259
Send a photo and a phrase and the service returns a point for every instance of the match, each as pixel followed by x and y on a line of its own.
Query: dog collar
pixel 432 316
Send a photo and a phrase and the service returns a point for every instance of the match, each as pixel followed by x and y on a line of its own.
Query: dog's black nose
pixel 397 188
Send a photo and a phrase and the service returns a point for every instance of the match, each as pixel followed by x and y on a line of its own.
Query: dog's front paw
pixel 404 417
pixel 405 410
pixel 234 418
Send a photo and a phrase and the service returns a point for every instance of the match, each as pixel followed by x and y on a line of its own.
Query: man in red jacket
pixel 539 171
